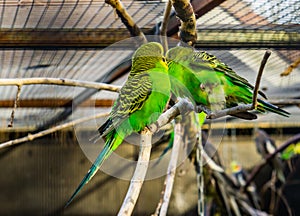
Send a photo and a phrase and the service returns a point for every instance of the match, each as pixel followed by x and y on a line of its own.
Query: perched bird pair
pixel 145 95
pixel 209 82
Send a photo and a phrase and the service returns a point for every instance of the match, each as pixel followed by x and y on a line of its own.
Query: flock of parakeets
pixel 184 72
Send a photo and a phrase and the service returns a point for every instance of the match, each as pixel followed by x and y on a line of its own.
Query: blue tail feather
pixel 94 168
pixel 84 181
pixel 272 108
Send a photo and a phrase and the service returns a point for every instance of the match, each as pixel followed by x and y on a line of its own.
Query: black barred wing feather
pixel 217 65
pixel 132 97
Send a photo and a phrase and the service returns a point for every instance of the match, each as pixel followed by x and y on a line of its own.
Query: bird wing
pixel 132 97
pixel 218 66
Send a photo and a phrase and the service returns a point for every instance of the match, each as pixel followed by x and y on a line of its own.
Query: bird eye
pixel 164 59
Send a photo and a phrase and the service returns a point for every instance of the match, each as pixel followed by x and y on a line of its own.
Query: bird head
pixel 148 56
pixel 235 167
pixel 179 53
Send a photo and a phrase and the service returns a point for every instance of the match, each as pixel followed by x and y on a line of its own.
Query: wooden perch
pixel 200 177
pixel 185 13
pixel 58 81
pixel 258 78
pixel 19 82
pixel 290 68
pixel 127 19
pixel 164 25
pixel 169 181
pixel 138 177
pixel 31 137
pixel 181 107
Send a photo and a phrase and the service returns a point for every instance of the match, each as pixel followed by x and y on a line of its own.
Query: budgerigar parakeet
pixel 209 82
pixel 141 100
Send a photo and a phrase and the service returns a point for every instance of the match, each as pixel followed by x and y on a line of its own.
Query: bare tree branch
pixel 200 177
pixel 59 81
pixel 258 78
pixel 185 12
pixel 181 107
pixel 16 103
pixel 169 181
pixel 258 168
pixel 138 177
pixel 290 68
pixel 31 137
pixel 224 112
pixel 126 19
pixel 164 25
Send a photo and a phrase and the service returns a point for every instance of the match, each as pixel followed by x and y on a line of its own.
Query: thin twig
pixel 164 25
pixel 258 78
pixel 258 168
pixel 59 81
pixel 169 182
pixel 127 19
pixel 16 104
pixel 290 68
pixel 31 137
pixel 138 177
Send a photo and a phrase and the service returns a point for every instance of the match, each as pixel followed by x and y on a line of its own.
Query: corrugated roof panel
pixel 75 14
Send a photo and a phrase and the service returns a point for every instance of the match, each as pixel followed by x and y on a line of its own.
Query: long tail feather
pixel 106 151
pixel 272 108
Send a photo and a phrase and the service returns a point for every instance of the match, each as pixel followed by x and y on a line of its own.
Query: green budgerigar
pixel 141 101
pixel 209 82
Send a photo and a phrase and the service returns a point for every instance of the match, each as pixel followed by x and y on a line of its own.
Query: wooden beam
pixel 55 103
pixel 249 36
pixel 64 38
pixel 214 37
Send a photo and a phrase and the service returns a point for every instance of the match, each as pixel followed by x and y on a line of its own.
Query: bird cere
pixel 185 73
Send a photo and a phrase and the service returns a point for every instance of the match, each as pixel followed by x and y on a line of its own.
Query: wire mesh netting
pixel 233 23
